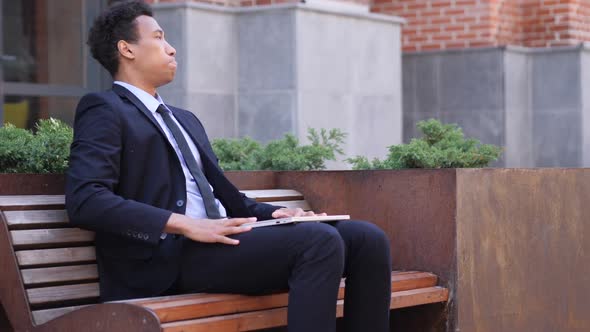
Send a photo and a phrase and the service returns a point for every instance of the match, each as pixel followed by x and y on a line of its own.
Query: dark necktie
pixel 191 163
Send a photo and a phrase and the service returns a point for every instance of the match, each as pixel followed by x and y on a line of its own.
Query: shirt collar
pixel 150 102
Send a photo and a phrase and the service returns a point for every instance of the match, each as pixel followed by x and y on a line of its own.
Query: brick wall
pixel 507 22
pixel 231 3
pixel 444 24
pixel 441 24
pixel 243 3
pixel 555 22
pixel 449 24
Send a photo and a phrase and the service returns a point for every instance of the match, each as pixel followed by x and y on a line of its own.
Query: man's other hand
pixel 208 230
pixel 297 212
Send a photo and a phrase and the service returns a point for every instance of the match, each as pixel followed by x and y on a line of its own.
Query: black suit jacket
pixel 125 180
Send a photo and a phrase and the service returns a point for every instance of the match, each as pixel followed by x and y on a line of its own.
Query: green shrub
pixel 46 151
pixel 237 154
pixel 442 146
pixel 14 148
pixel 50 149
pixel 282 154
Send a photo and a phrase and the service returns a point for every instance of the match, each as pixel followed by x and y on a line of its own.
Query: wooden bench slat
pixel 193 306
pixel 37 238
pixel 401 280
pixel 414 297
pixel 62 274
pixel 217 305
pixel 42 316
pixel 273 195
pixel 293 204
pixel 48 295
pixel 31 202
pixel 231 323
pixel 398 300
pixel 278 317
pixel 36 218
pixel 29 258
pixel 412 280
pixel 9 202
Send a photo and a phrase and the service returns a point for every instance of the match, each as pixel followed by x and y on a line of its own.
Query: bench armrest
pixel 105 317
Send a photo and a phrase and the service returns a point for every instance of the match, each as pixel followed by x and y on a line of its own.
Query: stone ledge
pixel 300 6
pixel 585 46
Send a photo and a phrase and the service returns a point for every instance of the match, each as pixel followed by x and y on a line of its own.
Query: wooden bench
pixel 49 280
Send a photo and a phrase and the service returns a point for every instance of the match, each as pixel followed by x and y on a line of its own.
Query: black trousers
pixel 308 259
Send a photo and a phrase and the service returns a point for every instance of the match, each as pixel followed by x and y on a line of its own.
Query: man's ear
pixel 125 49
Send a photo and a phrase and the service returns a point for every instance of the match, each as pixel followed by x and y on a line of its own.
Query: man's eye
pixel 159 37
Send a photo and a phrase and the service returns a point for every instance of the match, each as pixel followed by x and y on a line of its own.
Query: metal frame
pixel 1 66
pixel 95 77
pixel 35 89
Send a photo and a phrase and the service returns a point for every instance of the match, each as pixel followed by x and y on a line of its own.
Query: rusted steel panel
pixel 32 184
pixel 523 250
pixel 250 180
pixel 54 184
pixel 4 322
pixel 416 208
pixel 425 318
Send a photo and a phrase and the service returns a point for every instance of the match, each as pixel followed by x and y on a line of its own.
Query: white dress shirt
pixel 194 202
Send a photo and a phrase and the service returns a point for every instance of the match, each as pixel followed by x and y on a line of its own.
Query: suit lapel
pixel 223 189
pixel 124 93
pixel 190 128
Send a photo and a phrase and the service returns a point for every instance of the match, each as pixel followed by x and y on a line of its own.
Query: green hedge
pixel 282 154
pixel 442 146
pixel 44 151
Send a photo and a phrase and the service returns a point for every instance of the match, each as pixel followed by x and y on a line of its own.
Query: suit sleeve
pixel 93 176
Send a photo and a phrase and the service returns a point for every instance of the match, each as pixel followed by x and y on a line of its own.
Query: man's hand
pixel 207 230
pixel 297 212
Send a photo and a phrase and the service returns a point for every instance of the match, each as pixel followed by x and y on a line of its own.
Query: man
pixel 144 177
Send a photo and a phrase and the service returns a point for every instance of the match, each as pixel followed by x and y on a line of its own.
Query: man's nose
pixel 170 50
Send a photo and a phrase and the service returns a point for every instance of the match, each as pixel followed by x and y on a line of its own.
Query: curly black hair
pixel 115 24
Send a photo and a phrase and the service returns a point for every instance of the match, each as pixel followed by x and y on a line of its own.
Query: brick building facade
pixel 457 24
pixel 515 73
pixel 451 24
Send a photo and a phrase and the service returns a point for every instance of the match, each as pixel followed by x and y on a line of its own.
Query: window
pixel 46 66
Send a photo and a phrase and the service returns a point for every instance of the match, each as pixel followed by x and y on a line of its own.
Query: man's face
pixel 154 57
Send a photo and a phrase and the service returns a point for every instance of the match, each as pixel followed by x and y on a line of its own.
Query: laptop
pixel 293 220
